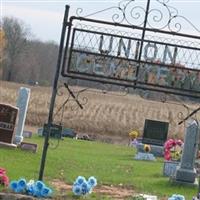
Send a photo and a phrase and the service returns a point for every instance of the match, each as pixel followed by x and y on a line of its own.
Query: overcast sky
pixel 45 17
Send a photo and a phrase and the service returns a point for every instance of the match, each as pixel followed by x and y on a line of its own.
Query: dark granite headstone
pixel 155 132
pixel 8 117
pixel 55 130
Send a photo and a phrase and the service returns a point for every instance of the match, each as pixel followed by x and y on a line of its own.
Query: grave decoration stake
pixel 82 186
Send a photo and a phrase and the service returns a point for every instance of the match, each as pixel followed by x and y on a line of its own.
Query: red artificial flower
pixel 4 180
pixel 167 156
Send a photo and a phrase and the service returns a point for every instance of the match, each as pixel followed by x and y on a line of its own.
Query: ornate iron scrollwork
pixel 74 100
pixel 132 12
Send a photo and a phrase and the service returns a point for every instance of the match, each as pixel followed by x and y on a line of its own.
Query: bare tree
pixel 37 63
pixel 16 34
pixel 2 44
pixel 2 49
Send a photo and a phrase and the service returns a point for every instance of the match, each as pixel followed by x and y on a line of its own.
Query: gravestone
pixel 145 156
pixel 155 133
pixel 40 131
pixel 28 146
pixel 27 134
pixel 169 168
pixel 22 104
pixel 186 172
pixel 8 117
pixel 55 130
pixel 156 150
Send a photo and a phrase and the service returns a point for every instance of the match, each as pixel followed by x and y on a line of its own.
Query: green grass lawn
pixel 110 164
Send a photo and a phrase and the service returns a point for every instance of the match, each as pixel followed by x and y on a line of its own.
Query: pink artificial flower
pixel 179 142
pixel 169 145
pixel 2 171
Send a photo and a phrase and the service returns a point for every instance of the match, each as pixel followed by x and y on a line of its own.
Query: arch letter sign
pixel 133 56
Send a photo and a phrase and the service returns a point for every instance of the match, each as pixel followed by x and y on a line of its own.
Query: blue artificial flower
pixel 13 186
pixel 46 192
pixel 85 188
pixel 92 181
pixel 30 190
pixel 21 186
pixel 21 183
pixel 177 197
pixel 30 187
pixel 77 189
pixel 36 193
pixel 39 185
pixel 80 180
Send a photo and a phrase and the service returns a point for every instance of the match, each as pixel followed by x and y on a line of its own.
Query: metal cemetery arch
pixel 168 61
pixel 148 55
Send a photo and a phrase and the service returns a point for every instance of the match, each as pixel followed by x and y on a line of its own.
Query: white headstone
pixel 22 104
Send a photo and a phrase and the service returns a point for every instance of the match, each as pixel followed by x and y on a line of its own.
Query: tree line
pixel 23 59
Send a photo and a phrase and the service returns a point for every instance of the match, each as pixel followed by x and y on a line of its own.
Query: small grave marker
pixel 169 168
pixel 55 130
pixel 28 146
pixel 27 134
pixel 145 156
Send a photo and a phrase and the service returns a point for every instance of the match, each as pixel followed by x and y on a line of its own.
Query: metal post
pixel 54 92
pixel 198 192
pixel 143 35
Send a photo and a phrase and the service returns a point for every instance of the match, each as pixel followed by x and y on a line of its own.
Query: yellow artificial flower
pixel 133 134
pixel 147 148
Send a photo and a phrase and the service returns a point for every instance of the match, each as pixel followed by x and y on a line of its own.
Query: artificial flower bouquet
pixel 82 186
pixel 176 197
pixel 32 188
pixel 173 149
pixel 4 180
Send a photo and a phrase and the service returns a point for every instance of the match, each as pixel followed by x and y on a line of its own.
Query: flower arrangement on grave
pixel 173 149
pixel 82 186
pixel 133 137
pixel 32 188
pixel 147 148
pixel 4 180
pixel 176 197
